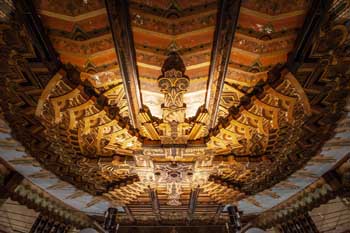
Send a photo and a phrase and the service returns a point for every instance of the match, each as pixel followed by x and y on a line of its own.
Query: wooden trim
pixel 155 204
pixel 193 203
pixel 218 213
pixel 220 55
pixel 119 20
pixel 129 214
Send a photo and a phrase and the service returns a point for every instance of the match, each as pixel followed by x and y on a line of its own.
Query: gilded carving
pixel 270 121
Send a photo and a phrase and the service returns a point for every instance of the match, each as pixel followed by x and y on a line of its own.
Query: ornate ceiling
pixel 174 108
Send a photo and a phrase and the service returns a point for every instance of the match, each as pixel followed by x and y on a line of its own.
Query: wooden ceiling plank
pixel 119 20
pixel 225 29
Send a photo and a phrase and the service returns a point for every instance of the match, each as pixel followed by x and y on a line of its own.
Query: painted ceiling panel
pixel 168 110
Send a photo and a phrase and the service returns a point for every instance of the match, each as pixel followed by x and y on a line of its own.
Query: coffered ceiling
pixel 176 109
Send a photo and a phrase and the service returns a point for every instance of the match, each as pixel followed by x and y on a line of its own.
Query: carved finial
pixel 173 47
pixel 173 84
pixel 173 11
pixel 174 61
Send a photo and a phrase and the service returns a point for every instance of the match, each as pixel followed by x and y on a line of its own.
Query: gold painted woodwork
pixel 277 106
pixel 90 139
pixel 98 133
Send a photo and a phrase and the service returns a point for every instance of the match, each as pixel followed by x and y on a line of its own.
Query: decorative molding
pixel 41 201
pixel 226 23
pixel 119 19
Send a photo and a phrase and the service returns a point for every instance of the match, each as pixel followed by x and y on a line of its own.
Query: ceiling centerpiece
pixel 173 84
pixel 170 173
pixel 108 107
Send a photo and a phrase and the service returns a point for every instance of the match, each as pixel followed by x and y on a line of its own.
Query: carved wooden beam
pixel 220 55
pixel 193 203
pixel 312 24
pixel 129 214
pixel 320 192
pixel 155 203
pixel 119 20
pixel 110 224
pixel 218 213
pixel 331 184
pixel 35 198
pixel 234 218
pixel 26 12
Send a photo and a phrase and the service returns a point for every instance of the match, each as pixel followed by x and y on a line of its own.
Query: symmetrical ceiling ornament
pixel 82 116
pixel 173 83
